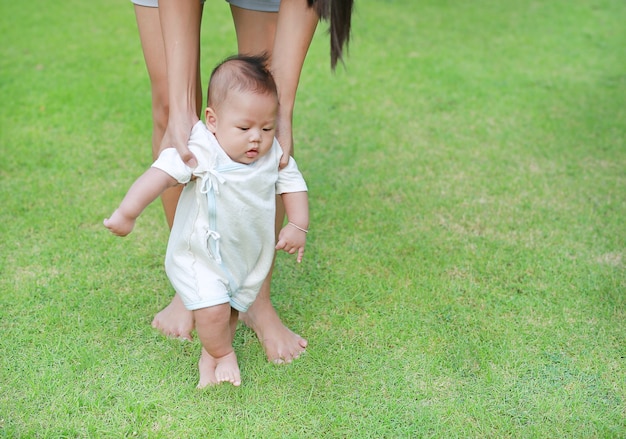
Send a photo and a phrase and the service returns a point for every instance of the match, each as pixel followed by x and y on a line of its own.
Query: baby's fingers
pixel 280 245
pixel 291 249
pixel 108 224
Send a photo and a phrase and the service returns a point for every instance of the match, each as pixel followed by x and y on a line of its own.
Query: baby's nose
pixel 255 135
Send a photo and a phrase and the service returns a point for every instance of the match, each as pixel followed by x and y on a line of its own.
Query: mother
pixel 170 37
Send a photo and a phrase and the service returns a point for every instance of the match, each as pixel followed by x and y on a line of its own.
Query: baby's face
pixel 245 125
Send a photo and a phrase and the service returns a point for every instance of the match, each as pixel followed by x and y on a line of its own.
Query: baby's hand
pixel 292 239
pixel 119 224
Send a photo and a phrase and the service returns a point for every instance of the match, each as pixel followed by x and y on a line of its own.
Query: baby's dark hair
pixel 338 13
pixel 245 73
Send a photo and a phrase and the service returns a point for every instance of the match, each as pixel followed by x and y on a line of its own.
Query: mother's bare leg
pixel 174 320
pixel 281 345
pixel 255 35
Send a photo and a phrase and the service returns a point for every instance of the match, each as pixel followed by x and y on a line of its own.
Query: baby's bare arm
pixel 143 192
pixel 292 237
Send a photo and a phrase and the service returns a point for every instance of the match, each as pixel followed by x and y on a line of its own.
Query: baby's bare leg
pixel 218 363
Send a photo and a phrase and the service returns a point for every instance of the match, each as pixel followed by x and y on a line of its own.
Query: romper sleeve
pixel 290 179
pixel 170 162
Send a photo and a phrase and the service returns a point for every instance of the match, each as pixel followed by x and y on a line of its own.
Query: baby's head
pixel 242 107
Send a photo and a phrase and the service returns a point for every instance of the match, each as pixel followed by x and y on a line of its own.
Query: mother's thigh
pixel 255 30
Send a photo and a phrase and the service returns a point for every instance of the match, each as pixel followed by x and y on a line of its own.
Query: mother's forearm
pixel 180 24
pixel 294 32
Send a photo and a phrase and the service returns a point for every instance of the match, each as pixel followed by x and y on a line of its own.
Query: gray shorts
pixel 151 3
pixel 254 5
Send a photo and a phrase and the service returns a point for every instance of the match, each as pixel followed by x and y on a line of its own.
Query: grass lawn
pixel 465 273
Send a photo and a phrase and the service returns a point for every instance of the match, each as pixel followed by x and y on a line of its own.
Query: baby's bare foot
pixel 215 371
pixel 206 367
pixel 174 320
pixel 227 369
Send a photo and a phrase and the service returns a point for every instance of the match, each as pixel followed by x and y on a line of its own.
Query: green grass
pixel 465 273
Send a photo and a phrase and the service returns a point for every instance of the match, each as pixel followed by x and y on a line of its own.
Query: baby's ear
pixel 211 119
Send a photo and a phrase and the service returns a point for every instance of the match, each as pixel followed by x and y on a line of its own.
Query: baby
pixel 223 241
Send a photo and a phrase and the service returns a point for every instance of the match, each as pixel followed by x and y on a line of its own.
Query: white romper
pixel 222 242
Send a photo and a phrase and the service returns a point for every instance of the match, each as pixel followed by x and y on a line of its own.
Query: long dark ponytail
pixel 338 13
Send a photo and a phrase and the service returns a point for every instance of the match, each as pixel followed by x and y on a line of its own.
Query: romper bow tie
pixel 213 245
pixel 210 180
pixel 209 185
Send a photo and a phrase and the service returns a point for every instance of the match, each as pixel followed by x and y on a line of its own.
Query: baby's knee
pixel 213 314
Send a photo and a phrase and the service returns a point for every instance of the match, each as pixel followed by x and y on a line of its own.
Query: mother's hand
pixel 284 134
pixel 177 136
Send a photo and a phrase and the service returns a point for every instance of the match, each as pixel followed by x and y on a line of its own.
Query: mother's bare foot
pixel 281 345
pixel 174 320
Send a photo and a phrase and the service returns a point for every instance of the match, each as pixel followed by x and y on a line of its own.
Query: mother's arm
pixel 180 23
pixel 294 32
